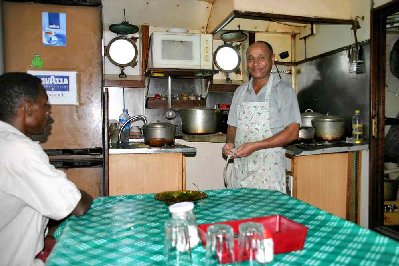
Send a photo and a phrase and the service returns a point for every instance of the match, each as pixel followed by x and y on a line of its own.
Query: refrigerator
pixel 75 144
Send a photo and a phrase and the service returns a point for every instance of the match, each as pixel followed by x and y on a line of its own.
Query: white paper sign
pixel 61 86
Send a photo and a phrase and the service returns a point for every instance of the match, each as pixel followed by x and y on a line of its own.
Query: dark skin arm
pixel 83 205
pixel 81 208
pixel 230 139
pixel 289 134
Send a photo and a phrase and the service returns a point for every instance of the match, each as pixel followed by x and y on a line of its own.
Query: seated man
pixel 32 191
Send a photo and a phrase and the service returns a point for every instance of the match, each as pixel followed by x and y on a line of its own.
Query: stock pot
pixel 306 133
pixel 159 134
pixel 329 127
pixel 308 116
pixel 199 120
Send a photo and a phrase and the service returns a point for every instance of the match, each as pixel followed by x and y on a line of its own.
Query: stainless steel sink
pixel 132 144
pixel 135 145
pixel 138 146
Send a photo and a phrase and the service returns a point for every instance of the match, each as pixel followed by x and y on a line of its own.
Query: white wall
pixel 331 37
pixel 364 189
pixel 205 170
pixel 110 68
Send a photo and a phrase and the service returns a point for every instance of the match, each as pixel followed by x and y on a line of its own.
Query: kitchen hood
pixel 226 12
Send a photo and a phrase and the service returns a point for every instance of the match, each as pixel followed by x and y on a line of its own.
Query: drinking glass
pixel 177 249
pixel 219 245
pixel 251 243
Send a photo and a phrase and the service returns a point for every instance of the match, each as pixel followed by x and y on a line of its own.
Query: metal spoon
pixel 170 114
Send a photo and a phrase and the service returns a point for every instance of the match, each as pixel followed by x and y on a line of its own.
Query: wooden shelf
pixel 138 82
pixel 222 86
pixel 130 81
pixel 163 104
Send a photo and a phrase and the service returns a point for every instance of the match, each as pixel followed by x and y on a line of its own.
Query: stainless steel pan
pixel 199 120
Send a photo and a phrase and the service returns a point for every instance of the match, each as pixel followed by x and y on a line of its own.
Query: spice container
pixel 184 97
pixel 185 211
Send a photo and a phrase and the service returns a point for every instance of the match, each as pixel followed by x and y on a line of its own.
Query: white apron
pixel 264 168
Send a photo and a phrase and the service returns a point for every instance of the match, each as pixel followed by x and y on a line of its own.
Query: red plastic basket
pixel 287 235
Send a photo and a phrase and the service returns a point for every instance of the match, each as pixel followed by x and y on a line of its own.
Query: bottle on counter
pixel 357 128
pixel 185 211
pixel 122 119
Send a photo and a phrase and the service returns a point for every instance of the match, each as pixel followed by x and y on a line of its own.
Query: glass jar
pixel 185 211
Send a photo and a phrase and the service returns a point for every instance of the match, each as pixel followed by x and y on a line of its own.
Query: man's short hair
pixel 267 45
pixel 14 88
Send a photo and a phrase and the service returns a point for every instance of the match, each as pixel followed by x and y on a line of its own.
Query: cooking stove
pixel 317 145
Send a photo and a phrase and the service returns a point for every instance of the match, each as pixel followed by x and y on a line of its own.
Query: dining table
pixel 129 230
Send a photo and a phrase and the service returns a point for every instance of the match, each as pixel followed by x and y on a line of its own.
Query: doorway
pixel 384 114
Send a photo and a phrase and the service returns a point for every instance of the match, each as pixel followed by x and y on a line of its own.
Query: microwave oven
pixel 180 51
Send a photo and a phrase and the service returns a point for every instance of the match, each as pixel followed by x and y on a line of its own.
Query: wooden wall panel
pixel 86 179
pixel 74 126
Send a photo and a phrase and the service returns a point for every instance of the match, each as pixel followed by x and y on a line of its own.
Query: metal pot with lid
pixel 329 127
pixel 159 134
pixel 308 116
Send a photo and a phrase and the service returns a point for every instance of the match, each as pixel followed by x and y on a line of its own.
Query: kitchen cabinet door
pixel 146 173
pixel 322 180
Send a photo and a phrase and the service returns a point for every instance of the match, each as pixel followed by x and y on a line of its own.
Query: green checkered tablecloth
pixel 128 230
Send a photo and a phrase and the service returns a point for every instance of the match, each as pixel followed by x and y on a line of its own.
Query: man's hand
pixel 228 149
pixel 83 205
pixel 246 149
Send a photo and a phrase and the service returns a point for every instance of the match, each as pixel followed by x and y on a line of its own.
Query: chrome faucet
pixel 131 119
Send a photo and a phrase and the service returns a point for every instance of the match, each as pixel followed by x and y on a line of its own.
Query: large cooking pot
pixel 199 120
pixel 329 127
pixel 308 116
pixel 159 134
pixel 306 133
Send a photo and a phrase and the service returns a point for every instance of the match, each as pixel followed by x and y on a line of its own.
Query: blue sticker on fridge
pixel 54 29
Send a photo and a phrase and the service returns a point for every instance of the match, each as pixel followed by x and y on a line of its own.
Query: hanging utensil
pixel 170 113
pixel 225 177
pixel 233 36
pixel 124 27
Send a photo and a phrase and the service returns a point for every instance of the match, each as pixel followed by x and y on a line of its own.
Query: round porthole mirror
pixel 227 59
pixel 122 52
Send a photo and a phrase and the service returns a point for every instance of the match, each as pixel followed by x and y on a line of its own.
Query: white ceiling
pixel 194 15
pixel 189 14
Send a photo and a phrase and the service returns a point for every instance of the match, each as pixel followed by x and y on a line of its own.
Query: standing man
pixel 31 189
pixel 264 116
